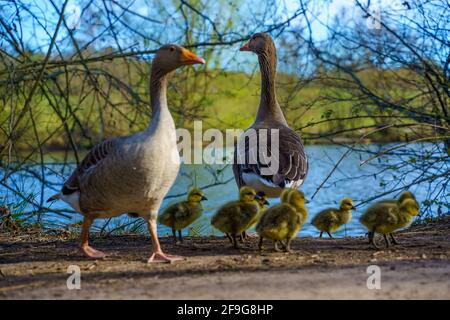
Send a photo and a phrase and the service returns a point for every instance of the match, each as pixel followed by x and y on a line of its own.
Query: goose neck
pixel 268 104
pixel 158 90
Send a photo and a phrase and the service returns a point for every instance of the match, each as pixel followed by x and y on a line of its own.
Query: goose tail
pixel 54 197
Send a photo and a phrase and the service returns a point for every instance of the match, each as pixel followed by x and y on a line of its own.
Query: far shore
pixel 322 141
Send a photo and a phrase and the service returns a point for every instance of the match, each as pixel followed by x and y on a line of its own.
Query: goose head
pixel 247 194
pixel 259 43
pixel 196 195
pixel 410 207
pixel 347 204
pixel 171 56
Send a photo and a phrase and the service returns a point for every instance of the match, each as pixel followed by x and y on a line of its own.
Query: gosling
pixel 283 221
pixel 329 220
pixel 285 194
pixel 385 218
pixel 234 217
pixel 403 196
pixel 180 215
pixel 261 198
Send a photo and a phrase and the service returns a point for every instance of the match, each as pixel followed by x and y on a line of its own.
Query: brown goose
pixel 132 174
pixel 292 161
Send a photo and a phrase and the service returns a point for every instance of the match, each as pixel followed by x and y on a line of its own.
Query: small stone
pixel 424 256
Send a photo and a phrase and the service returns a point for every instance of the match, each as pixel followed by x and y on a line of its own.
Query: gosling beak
pixel 354 208
pixel 189 58
pixel 307 201
pixel 266 203
pixel 245 47
pixel 204 198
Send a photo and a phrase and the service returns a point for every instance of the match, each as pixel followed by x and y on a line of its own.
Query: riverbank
pixel 34 265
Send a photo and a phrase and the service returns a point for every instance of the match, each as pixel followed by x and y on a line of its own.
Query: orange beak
pixel 245 47
pixel 188 58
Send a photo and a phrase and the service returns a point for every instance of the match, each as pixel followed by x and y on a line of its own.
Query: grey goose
pixel 132 174
pixel 292 160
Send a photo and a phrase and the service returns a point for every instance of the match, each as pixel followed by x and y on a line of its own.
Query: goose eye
pixel 172 49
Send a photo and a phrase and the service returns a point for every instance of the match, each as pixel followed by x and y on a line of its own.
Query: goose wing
pixel 292 161
pixel 95 156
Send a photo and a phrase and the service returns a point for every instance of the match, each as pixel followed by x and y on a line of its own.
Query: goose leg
pixel 158 255
pixel 229 238
pixel 394 241
pixel 180 236
pixel 85 247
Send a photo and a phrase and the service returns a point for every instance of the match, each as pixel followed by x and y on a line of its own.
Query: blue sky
pixel 35 36
pixel 320 14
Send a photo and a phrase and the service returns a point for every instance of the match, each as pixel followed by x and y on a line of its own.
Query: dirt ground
pixel 34 266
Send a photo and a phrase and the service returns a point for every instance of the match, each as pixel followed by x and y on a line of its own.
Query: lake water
pixel 350 179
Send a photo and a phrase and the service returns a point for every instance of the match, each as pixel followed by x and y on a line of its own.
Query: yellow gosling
pixel 329 220
pixel 285 194
pixel 282 222
pixel 403 196
pixel 180 215
pixel 234 217
pixel 261 198
pixel 385 218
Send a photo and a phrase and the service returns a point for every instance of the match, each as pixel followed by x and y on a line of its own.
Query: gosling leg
pixel 235 243
pixel 180 236
pixel 174 236
pixel 329 234
pixel 260 244
pixel 284 245
pixel 386 241
pixel 275 246
pixel 229 238
pixel 288 246
pixel 320 235
pixel 393 240
pixel 372 240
